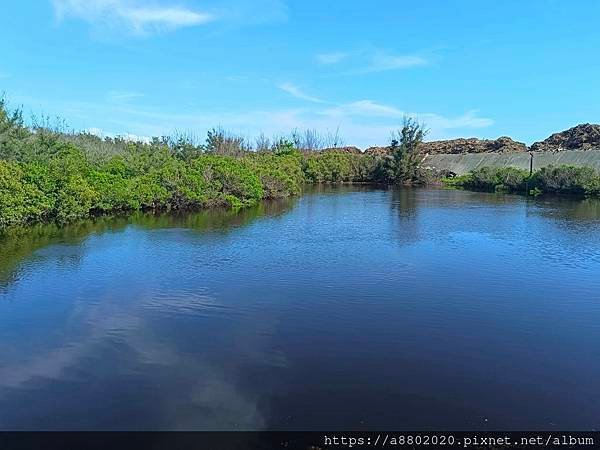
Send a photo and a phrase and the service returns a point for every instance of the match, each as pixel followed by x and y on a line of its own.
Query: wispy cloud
pixel 137 16
pixel 370 60
pixel 368 108
pixel 295 91
pixel 381 61
pixel 364 108
pixel 470 119
pixel 331 58
pixel 123 96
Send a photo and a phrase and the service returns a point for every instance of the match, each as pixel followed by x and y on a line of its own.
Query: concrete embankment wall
pixel 461 164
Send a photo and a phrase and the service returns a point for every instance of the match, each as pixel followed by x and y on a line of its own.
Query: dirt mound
pixel 459 146
pixel 378 151
pixel 472 145
pixel 581 137
pixel 353 150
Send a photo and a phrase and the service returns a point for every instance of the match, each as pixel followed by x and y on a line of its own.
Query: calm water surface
pixel 349 308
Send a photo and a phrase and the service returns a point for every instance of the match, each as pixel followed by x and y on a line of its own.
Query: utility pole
pixel 530 173
pixel 530 163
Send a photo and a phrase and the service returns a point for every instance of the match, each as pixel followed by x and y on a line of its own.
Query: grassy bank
pixel 570 180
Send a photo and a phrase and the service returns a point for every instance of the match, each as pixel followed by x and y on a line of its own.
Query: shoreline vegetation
pixel 567 180
pixel 49 175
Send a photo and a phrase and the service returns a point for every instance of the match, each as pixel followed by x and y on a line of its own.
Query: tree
pixel 405 150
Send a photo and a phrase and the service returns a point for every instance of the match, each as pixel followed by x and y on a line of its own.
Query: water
pixel 348 308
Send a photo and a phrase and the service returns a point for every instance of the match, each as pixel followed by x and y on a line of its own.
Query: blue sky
pixel 151 67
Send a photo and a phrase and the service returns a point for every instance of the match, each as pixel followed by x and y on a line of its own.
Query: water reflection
pixel 21 243
pixel 84 327
pixel 352 308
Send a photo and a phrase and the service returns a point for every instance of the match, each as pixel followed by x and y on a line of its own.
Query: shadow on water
pixel 20 244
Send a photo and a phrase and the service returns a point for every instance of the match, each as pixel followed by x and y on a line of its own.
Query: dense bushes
pixel 567 180
pixel 50 175
pixel 66 186
pixel 554 179
pixel 506 179
pixel 63 183
pixel 19 198
pixel 280 173
pixel 334 167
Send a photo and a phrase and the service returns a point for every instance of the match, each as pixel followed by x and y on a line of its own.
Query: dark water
pixel 347 308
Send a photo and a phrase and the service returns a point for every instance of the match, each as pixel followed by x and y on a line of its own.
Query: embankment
pixel 464 163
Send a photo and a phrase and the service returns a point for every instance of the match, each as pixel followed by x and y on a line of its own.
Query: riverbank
pixel 62 184
pixel 567 180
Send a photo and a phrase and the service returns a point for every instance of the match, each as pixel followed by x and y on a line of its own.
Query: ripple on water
pixel 188 302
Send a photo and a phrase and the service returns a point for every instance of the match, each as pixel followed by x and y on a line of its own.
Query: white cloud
pixel 96 132
pixel 364 108
pixel 123 96
pixel 369 108
pixel 129 137
pixel 370 60
pixel 369 121
pixel 295 91
pixel 331 58
pixel 467 120
pixel 136 15
pixel 380 61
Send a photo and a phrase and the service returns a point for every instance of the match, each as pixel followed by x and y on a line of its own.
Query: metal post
pixel 530 173
pixel 530 163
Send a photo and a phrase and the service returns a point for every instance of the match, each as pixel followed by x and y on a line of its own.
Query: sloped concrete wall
pixel 461 164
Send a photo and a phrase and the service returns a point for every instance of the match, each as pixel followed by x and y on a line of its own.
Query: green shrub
pixel 334 167
pixel 592 187
pixel 114 192
pixel 149 191
pixel 505 179
pixel 228 177
pixel 561 179
pixel 566 179
pixel 21 201
pixel 280 173
pixel 75 199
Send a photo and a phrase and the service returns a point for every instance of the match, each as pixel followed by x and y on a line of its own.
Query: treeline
pixel 571 180
pixel 49 175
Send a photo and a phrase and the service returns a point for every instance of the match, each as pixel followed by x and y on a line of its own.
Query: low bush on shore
pixel 565 179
